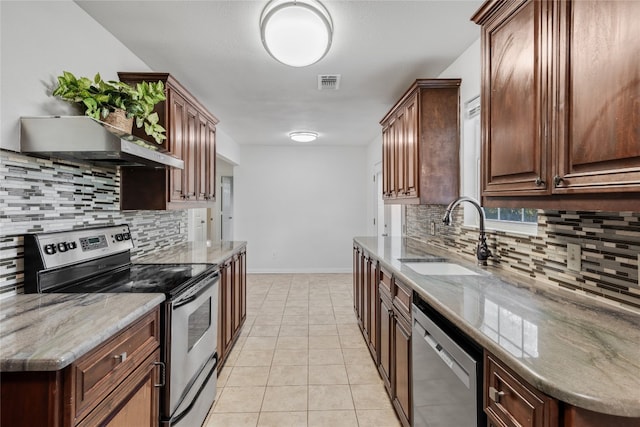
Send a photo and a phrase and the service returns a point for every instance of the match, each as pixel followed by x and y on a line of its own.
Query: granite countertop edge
pixel 625 406
pixel 194 252
pixel 31 361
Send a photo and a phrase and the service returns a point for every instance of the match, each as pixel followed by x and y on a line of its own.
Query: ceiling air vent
pixel 328 81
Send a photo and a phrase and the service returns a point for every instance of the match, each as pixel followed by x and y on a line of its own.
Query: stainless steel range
pixel 98 260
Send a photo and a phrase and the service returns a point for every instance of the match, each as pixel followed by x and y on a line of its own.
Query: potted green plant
pixel 102 99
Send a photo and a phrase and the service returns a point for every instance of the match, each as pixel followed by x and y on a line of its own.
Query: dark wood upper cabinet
pixel 599 84
pixel 560 102
pixel 191 137
pixel 514 95
pixel 420 144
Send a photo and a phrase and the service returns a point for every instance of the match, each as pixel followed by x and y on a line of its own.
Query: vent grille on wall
pixel 472 107
pixel 328 81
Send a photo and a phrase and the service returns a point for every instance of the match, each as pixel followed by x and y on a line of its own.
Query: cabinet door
pixel 386 334
pixel 237 294
pixel 190 154
pixel 242 259
pixel 599 135
pixel 366 297
pixel 393 159
pixel 202 161
pixel 402 370
pixel 400 147
pixel 227 282
pixel 372 274
pixel 177 118
pixel 411 168
pixel 210 178
pixel 514 101
pixel 356 255
pixel 386 163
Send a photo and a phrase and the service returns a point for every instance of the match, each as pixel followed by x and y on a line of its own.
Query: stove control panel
pixel 68 247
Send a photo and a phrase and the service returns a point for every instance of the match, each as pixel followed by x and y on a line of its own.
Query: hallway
pixel 301 359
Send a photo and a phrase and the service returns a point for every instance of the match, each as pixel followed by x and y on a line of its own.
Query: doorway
pixel 197 225
pixel 226 208
pixel 388 221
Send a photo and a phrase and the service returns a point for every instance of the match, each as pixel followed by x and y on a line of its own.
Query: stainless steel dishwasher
pixel 446 372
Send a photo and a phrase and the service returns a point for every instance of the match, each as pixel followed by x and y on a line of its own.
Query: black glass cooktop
pixel 141 278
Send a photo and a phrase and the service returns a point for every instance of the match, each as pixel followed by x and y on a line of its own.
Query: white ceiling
pixel 214 49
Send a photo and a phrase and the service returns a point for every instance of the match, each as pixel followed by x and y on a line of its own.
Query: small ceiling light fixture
pixel 305 136
pixel 296 32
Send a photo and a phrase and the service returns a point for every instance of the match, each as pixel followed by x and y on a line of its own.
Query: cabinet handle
pixel 121 357
pixel 557 180
pixel 163 374
pixel 539 182
pixel 495 395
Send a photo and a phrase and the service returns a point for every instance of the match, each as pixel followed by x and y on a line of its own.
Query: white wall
pixel 226 147
pixel 39 40
pixel 300 207
pixel 467 67
pixel 374 156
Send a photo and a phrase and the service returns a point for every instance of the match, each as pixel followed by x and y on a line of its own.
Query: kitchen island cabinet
pixel 191 136
pixel 114 384
pixel 559 104
pixel 550 359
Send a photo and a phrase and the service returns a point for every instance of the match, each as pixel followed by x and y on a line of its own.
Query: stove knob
pixel 119 237
pixel 50 249
pixel 62 247
pixel 71 245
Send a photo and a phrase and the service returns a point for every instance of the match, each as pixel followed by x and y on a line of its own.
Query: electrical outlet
pixel 574 255
pixel 433 228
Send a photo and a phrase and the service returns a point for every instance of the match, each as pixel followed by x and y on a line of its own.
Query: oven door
pixel 193 341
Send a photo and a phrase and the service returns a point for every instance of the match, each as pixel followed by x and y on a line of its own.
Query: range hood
pixel 82 138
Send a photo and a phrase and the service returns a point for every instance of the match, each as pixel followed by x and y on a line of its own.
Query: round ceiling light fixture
pixel 296 32
pixel 303 136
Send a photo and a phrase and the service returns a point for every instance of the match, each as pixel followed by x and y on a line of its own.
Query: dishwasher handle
pixel 457 369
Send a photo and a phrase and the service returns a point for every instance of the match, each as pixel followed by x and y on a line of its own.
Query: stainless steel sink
pixel 439 269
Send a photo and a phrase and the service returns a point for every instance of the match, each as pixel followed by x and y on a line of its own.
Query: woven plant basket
pixel 118 119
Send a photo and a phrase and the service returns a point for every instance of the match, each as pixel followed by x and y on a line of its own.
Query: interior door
pixel 197 225
pixel 226 208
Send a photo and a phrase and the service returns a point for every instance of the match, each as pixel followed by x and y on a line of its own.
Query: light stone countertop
pixel 194 252
pixel 569 346
pixel 47 332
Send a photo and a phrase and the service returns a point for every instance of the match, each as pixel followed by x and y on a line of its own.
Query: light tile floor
pixel 300 360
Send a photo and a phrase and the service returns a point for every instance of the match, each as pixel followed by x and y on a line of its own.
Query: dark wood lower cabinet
pixel 394 345
pixel 94 390
pixel 402 372
pixel 232 302
pixel 386 334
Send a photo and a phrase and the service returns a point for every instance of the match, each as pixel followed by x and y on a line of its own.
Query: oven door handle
pixel 206 283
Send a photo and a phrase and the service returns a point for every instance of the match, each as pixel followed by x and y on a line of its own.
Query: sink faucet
pixel 482 251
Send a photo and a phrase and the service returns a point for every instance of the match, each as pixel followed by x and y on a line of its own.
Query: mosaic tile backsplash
pixel 610 244
pixel 38 195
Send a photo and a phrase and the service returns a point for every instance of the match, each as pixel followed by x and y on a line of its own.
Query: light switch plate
pixel 433 228
pixel 573 257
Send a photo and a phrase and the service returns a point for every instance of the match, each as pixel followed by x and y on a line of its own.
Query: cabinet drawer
pixel 385 279
pixel 101 370
pixel 402 299
pixel 510 401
